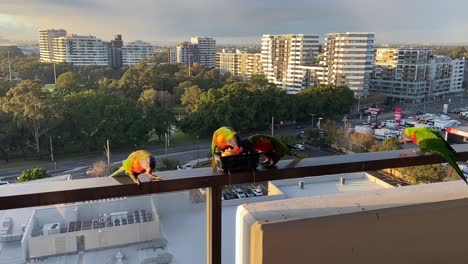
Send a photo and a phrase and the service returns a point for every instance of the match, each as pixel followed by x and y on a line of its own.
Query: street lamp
pixel 313 115
pixel 198 151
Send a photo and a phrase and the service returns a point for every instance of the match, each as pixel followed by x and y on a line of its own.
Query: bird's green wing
pixel 434 143
pixel 447 145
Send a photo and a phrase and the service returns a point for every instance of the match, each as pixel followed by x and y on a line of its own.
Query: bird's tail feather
pixel 451 160
pixel 117 172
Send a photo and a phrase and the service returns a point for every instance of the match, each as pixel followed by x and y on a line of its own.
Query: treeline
pixel 245 107
pixel 137 106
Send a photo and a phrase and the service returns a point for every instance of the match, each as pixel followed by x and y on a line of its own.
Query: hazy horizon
pixel 168 22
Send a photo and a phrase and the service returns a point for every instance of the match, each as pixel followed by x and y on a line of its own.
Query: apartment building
pixel 239 63
pixel 349 58
pixel 415 74
pixel 115 52
pixel 172 55
pixel 187 53
pixel 46 50
pixel 206 50
pixel 250 64
pixel 80 50
pixel 282 56
pixel 228 62
pixel 457 78
pixel 134 52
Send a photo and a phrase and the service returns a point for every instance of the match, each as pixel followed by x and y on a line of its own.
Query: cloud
pixel 240 20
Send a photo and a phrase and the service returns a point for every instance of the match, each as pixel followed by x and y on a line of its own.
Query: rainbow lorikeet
pixel 429 140
pixel 271 147
pixel 224 138
pixel 136 163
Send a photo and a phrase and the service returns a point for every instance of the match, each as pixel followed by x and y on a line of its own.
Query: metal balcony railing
pixel 39 194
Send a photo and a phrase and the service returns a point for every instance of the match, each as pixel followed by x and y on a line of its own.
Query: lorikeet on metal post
pixel 429 140
pixel 271 147
pixel 136 163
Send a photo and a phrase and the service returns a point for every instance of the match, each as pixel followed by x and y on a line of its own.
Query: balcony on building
pixel 332 209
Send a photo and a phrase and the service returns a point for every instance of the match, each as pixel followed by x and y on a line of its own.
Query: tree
pixel 258 81
pixel 326 101
pixel 359 142
pixel 68 83
pixel 90 118
pixel 161 57
pixel 33 106
pixel 13 51
pixel 424 174
pixel 33 174
pixel 157 116
pixel 312 134
pixel 5 87
pixel 458 52
pixel 190 97
pixel 392 143
pixel 8 134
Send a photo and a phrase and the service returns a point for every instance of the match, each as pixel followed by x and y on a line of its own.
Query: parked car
pixel 249 192
pixel 240 193
pixel 257 192
pixel 299 147
pixel 2 182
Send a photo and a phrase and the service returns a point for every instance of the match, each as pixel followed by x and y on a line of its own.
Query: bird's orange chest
pixel 220 141
pixel 413 138
pixel 136 167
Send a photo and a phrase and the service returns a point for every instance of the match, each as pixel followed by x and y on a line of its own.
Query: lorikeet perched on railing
pixel 429 140
pixel 136 163
pixel 225 138
pixel 271 147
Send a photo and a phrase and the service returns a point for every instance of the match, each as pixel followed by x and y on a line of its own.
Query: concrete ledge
pixel 415 224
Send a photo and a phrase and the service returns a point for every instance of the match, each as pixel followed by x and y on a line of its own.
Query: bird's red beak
pixel 238 150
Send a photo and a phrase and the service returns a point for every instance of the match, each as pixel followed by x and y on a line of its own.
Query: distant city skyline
pixel 242 22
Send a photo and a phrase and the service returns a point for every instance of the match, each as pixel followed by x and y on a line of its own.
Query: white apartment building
pixel 282 56
pixel 80 50
pixel 134 52
pixel 456 82
pixel 350 57
pixel 207 50
pixel 187 53
pixel 46 50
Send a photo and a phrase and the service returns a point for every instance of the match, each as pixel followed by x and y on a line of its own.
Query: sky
pixel 238 21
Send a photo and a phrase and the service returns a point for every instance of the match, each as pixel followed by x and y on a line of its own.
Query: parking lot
pixel 242 191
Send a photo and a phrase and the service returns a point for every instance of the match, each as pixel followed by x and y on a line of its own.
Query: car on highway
pixel 2 182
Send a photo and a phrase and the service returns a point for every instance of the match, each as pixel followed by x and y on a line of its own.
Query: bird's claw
pixel 155 178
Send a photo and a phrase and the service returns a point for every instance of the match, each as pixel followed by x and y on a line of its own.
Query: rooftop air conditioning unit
pixel 51 229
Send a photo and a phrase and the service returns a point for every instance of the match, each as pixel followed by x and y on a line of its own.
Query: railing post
pixel 213 224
